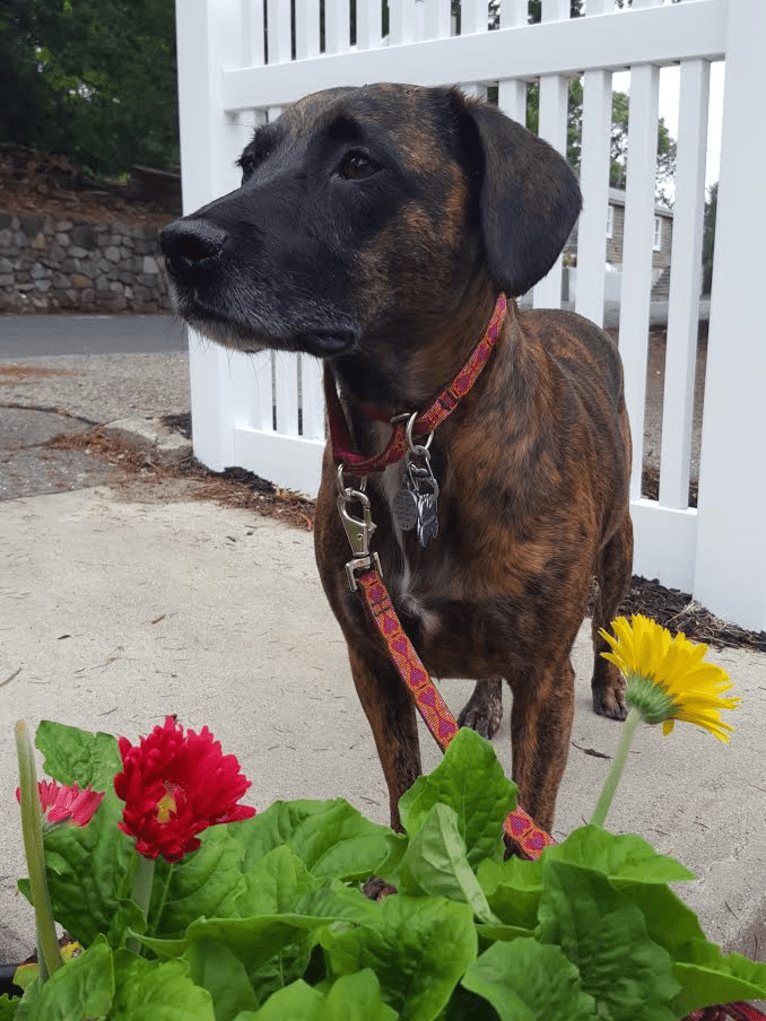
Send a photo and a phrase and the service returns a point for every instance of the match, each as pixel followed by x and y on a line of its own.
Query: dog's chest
pixel 405 577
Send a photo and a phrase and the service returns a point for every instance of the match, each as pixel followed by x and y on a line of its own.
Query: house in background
pixel 661 246
pixel 615 229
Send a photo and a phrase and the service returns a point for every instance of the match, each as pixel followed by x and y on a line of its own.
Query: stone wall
pixel 48 264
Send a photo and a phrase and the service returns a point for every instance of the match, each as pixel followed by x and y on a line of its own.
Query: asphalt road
pixel 50 335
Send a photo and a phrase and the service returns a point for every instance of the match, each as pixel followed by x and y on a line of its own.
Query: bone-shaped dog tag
pixel 428 521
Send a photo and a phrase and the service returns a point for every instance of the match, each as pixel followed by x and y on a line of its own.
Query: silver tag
pixel 428 521
pixel 405 509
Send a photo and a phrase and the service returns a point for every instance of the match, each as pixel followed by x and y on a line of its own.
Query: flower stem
pixel 141 894
pixel 610 784
pixel 48 952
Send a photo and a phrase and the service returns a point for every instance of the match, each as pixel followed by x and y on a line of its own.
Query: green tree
pixel 708 238
pixel 102 80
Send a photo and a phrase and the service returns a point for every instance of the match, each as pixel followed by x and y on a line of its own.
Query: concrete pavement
pixel 115 611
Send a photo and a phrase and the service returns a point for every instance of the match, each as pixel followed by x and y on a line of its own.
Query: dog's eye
pixel 249 162
pixel 355 166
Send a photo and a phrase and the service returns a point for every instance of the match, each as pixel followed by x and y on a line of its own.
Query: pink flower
pixel 59 803
pixel 175 786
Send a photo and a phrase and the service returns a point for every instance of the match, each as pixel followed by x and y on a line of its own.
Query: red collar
pixel 437 411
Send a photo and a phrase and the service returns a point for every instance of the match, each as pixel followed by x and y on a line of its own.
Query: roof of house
pixel 617 198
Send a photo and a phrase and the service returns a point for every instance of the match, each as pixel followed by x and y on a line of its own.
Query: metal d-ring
pixel 416 448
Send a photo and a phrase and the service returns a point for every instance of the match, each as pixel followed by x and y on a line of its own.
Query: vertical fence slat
pixel 263 391
pixel 637 251
pixel 313 399
pixel 306 29
pixel 280 32
pixel 438 19
pixel 513 12
pixel 594 182
pixel 252 38
pixel 401 21
pixel 369 24
pixel 512 93
pixel 286 393
pixel 685 280
pixel 474 16
pixel 554 98
pixel 337 31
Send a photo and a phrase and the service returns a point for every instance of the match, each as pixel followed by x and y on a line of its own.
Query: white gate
pixel 266 413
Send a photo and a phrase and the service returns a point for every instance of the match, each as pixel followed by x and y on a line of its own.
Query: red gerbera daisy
pixel 175 786
pixel 60 803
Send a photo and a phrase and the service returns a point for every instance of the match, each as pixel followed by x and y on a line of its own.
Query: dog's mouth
pixel 252 337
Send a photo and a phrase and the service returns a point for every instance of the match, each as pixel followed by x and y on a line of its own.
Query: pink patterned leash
pixel 528 838
pixel 726 1012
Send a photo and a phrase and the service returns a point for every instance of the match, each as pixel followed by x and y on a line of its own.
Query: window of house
pixel 657 244
pixel 610 221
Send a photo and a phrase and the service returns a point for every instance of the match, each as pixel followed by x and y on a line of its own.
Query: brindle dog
pixel 374 228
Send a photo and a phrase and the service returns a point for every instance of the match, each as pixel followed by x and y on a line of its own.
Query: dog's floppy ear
pixel 529 197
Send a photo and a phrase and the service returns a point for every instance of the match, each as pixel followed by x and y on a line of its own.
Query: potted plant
pixel 186 905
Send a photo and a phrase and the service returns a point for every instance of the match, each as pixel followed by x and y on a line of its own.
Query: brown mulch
pixel 236 487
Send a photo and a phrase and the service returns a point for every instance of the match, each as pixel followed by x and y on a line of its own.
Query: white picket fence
pixel 266 413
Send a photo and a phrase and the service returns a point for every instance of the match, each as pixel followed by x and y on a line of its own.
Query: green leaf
pixel 332 839
pixel 8 1007
pixel 513 889
pixel 504 933
pixel 258 940
pixel 623 858
pixel 215 968
pixel 419 951
pixel 77 756
pixel 355 998
pixel 525 981
pixel 86 867
pixel 669 922
pixel 604 935
pixel 436 863
pixel 297 1002
pixel 275 884
pixel 283 968
pixel 471 781
pixel 156 990
pixel 206 882
pixel 709 977
pixel 351 998
pixel 82 988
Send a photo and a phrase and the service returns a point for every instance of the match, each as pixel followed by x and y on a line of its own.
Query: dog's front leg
pixel 390 710
pixel 541 727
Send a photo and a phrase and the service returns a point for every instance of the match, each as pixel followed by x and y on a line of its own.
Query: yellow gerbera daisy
pixel 667 678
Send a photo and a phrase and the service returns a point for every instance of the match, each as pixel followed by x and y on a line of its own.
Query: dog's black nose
pixel 191 246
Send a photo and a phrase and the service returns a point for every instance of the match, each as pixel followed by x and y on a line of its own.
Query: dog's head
pixel 370 212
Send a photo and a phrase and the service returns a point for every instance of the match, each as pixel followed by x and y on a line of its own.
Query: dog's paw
pixel 483 711
pixel 610 701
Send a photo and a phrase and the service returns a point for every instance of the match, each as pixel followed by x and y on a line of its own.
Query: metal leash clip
pixel 359 530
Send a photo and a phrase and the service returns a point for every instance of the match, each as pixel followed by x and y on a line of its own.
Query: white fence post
pixel 731 553
pixel 211 36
